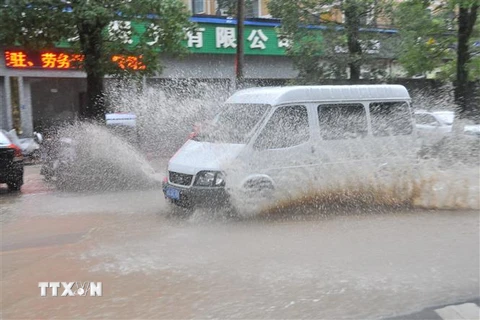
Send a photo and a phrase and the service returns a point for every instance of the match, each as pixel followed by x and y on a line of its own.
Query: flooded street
pixel 221 159
pixel 330 264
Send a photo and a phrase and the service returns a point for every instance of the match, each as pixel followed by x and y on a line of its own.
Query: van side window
pixel 391 118
pixel 342 121
pixel 287 127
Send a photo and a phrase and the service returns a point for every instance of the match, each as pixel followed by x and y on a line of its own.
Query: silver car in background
pixel 440 122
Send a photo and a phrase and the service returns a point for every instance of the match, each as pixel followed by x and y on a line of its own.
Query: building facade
pixel 255 8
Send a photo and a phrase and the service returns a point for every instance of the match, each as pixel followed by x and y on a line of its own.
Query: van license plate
pixel 173 193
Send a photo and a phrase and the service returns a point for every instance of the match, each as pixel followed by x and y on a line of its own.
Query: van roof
pixel 293 94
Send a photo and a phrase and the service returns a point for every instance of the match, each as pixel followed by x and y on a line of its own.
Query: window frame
pixel 266 120
pixel 193 7
pixel 365 107
pixel 410 111
pixel 258 9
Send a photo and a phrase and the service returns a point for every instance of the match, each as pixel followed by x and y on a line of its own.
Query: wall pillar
pixel 8 103
pixel 26 118
pixel 15 104
pixel 3 106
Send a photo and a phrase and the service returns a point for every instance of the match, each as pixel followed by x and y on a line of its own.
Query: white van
pixel 275 138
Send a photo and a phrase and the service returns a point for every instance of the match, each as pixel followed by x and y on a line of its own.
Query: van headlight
pixel 219 179
pixel 210 179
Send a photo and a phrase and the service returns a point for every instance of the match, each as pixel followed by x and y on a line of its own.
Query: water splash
pixel 446 176
pixel 98 159
pixel 426 187
pixel 167 114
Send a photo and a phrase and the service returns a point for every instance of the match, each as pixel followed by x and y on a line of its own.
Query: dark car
pixel 11 163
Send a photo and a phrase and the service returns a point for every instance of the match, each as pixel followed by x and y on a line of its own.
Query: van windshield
pixel 233 125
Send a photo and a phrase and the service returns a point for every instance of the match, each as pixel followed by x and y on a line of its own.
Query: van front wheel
pixel 259 188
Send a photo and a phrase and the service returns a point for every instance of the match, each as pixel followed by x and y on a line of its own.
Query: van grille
pixel 180 178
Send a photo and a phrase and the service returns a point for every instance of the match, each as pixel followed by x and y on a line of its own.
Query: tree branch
pixel 472 18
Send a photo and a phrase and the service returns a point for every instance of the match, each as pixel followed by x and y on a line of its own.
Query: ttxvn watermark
pixel 70 289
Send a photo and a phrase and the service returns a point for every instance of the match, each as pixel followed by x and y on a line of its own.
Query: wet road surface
pixel 352 264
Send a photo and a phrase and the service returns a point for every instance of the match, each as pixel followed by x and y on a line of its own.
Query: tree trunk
pixel 240 56
pixel 91 41
pixel 466 21
pixel 95 96
pixel 352 26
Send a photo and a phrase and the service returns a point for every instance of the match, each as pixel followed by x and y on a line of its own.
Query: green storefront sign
pixel 221 39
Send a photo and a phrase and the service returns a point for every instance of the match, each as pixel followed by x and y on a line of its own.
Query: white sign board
pixel 121 119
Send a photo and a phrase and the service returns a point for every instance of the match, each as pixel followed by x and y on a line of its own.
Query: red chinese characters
pixel 53 60
pixel 78 57
pixel 17 59
pixel 129 62
pixel 49 60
